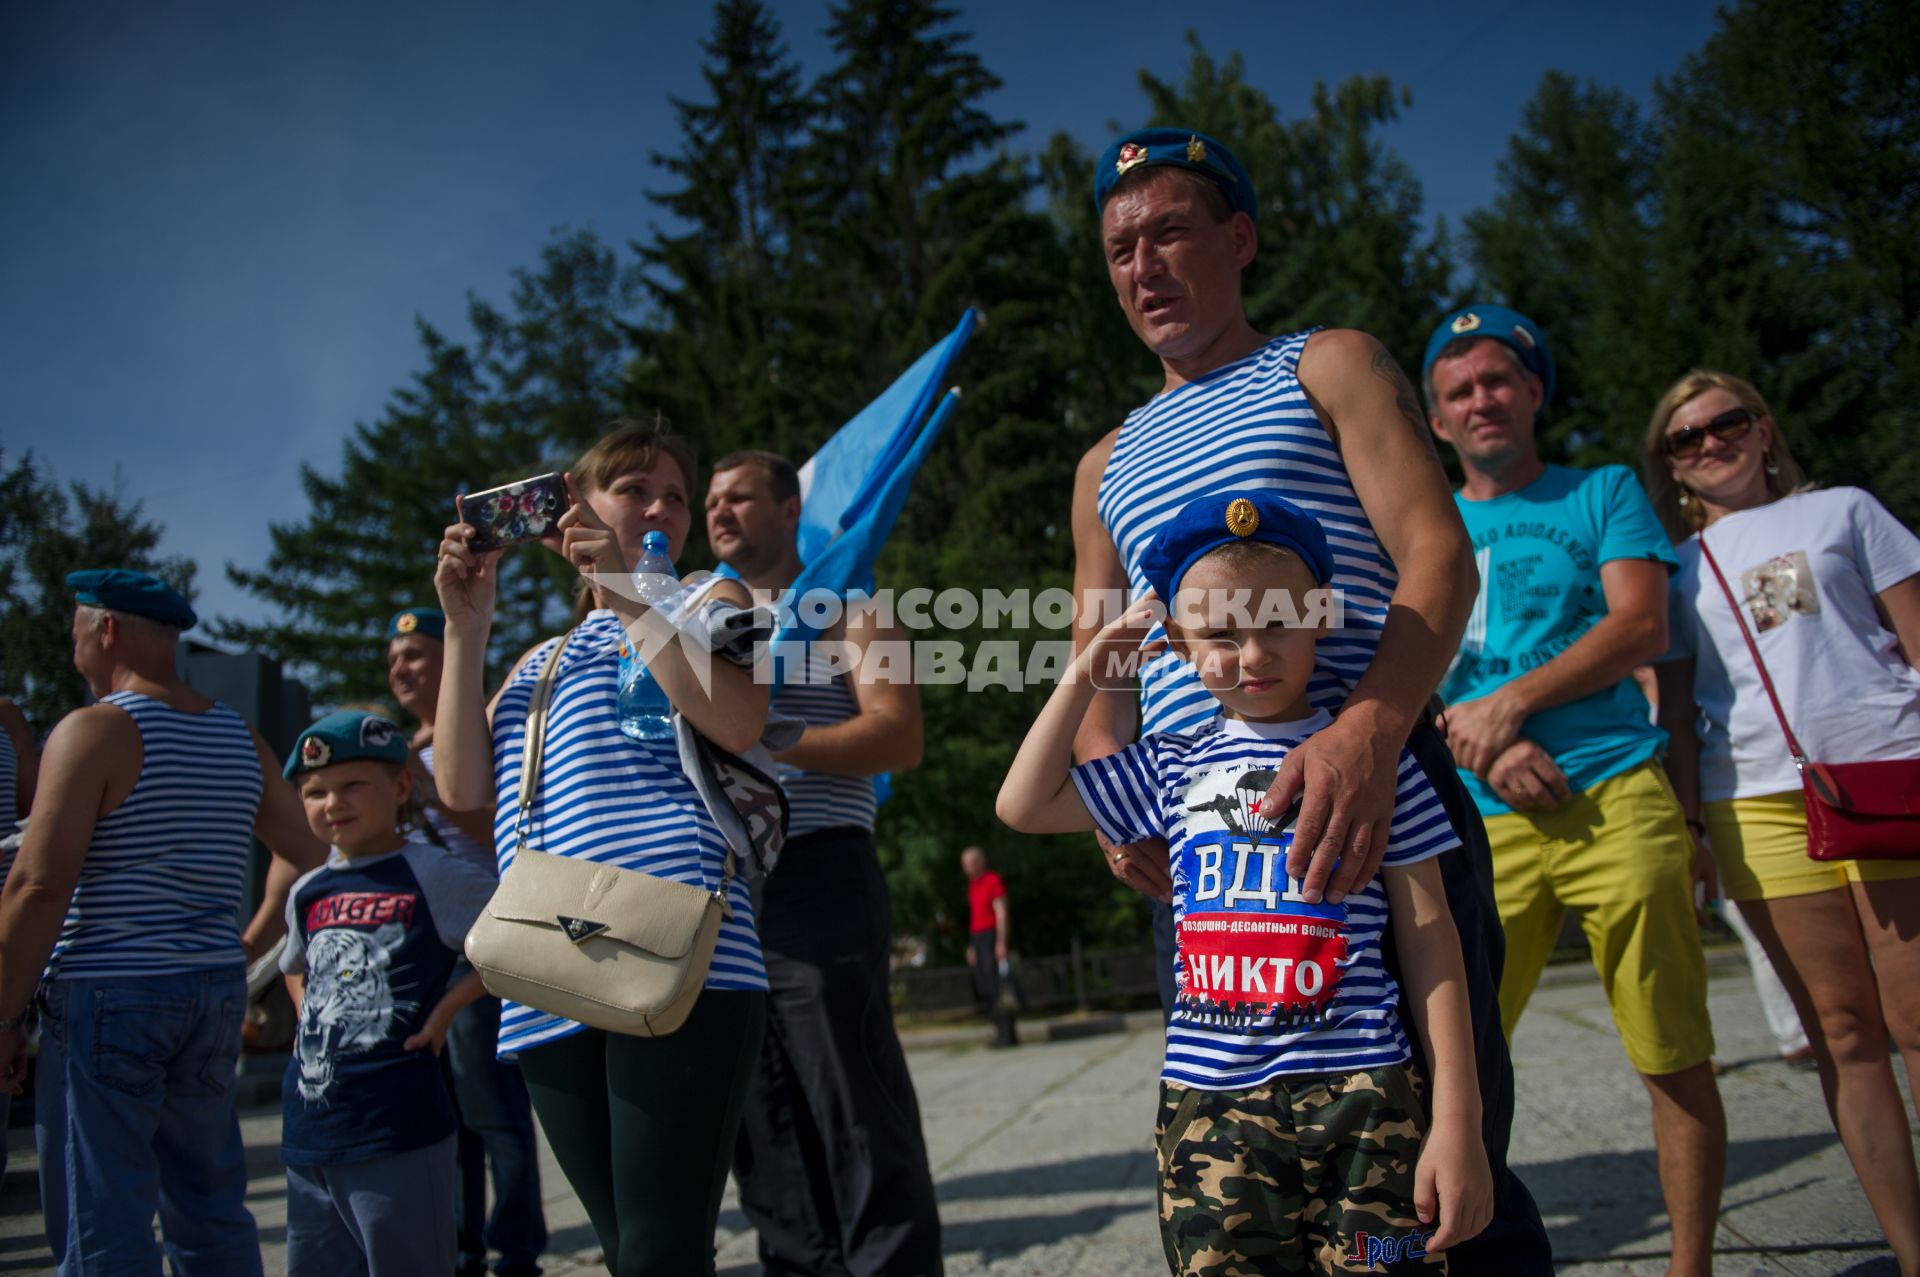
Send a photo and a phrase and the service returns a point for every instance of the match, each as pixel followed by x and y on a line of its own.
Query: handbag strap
pixel 1739 618
pixel 533 749
pixel 533 744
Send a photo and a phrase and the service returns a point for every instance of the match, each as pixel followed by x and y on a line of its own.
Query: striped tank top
pixel 1246 425
pixel 162 884
pixel 821 800
pixel 9 796
pixel 605 798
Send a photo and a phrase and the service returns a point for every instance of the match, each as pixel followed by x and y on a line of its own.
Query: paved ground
pixel 1044 1167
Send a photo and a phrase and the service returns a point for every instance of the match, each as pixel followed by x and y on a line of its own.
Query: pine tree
pixel 535 387
pixel 46 532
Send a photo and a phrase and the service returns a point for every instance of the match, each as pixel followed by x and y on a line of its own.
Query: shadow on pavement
pixel 1603 1198
pixel 1096 1173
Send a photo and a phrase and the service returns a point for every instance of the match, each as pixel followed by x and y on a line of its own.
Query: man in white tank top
pixel 1178 223
pixel 142 1006
pixel 832 1106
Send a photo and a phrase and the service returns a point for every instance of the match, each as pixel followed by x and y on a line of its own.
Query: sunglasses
pixel 1728 426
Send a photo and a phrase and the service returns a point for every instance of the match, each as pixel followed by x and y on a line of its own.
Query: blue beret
pixel 343 737
pixel 1182 148
pixel 1255 514
pixel 1503 324
pixel 428 621
pixel 119 590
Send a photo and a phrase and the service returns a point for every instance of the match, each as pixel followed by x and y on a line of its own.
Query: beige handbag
pixel 613 948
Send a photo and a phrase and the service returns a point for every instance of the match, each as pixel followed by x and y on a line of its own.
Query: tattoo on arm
pixel 1385 368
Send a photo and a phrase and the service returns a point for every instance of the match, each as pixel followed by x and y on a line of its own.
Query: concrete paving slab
pixel 1043 1162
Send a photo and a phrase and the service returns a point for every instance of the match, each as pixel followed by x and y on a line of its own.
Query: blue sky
pixel 220 220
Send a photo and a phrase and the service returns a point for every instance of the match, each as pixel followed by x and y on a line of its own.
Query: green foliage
pixel 535 386
pixel 1763 217
pixel 47 531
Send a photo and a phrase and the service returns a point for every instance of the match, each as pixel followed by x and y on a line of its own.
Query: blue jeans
pixel 134 1114
pixel 496 1120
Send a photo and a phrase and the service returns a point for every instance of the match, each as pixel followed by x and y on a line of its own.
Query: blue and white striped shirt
pixel 1246 425
pixel 9 800
pixel 451 836
pixel 162 883
pixel 821 800
pixel 609 799
pixel 1268 984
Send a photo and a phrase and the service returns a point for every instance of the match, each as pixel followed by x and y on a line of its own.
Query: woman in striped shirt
pixel 642 1127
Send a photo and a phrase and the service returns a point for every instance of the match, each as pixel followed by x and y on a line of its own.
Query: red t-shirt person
pixel 981 893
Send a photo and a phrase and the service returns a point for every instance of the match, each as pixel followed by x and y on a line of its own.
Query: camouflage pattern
pixel 1303 1175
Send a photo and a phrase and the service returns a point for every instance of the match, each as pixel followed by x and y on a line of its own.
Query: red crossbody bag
pixel 1855 811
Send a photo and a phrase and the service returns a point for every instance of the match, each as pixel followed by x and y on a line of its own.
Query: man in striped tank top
pixel 18 763
pixel 496 1116
pixel 1327 419
pixel 125 898
pixel 831 1160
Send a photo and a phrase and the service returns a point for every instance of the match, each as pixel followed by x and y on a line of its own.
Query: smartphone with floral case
pixel 515 512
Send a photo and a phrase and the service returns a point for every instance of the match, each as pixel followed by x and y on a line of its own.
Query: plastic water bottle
pixel 645 712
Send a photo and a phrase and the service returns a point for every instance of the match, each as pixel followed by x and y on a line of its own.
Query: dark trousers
pixel 496 1125
pixel 987 982
pixel 1516 1241
pixel 641 1128
pixel 831 1161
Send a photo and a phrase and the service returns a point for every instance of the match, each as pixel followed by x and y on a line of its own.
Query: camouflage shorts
pixel 1302 1175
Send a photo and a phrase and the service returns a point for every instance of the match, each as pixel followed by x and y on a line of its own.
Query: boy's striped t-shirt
pixel 1269 985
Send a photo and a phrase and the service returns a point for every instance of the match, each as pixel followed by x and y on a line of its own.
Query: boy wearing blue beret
pixel 373 958
pixel 1291 1133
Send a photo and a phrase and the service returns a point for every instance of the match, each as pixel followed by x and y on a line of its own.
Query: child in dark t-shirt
pixel 373 957
pixel 1290 1137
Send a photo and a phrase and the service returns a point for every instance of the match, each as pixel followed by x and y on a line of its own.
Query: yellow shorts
pixel 1619 854
pixel 1759 846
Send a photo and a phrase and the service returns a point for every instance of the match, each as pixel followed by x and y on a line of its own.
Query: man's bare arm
pixel 92 759
pixel 1347 771
pixel 281 824
pixel 1114 716
pixel 886 734
pixel 1632 633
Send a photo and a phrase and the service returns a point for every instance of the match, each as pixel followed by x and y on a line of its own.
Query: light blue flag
pixel 852 489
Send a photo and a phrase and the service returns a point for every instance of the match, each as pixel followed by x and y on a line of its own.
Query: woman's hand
pixel 465 579
pixel 590 545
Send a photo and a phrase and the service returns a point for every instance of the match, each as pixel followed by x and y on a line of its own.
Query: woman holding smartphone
pixel 642 1127
pixel 1829 587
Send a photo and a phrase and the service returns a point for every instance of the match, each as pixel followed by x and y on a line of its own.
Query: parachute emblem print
pixel 1249 941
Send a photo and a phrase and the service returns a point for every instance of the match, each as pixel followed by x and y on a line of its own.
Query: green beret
pixel 430 622
pixel 343 737
pixel 119 590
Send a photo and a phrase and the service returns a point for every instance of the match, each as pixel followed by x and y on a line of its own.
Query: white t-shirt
pixel 1806 569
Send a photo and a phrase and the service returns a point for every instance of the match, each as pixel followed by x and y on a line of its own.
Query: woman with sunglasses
pixel 1829 584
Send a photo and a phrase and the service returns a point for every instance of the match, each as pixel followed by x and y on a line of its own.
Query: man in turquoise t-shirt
pixel 1555 740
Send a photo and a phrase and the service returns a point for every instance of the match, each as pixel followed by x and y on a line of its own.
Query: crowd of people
pixel 1359 835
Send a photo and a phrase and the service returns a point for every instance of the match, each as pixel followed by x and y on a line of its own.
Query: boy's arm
pixel 1038 795
pixel 296 989
pixel 433 1034
pixel 1452 1181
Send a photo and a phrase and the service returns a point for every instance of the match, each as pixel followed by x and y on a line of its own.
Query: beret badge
pixel 1242 519
pixel 375 733
pixel 1466 323
pixel 1131 154
pixel 1196 151
pixel 406 623
pixel 315 752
